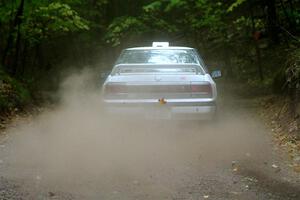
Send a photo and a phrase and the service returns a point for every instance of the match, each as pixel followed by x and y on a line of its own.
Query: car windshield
pixel 158 56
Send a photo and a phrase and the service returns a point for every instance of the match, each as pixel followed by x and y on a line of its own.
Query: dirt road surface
pixel 74 152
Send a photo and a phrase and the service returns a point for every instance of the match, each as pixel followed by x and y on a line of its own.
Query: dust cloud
pixel 76 147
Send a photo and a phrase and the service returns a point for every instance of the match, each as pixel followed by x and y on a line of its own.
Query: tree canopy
pixel 239 34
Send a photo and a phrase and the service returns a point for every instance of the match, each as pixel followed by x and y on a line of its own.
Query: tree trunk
pixel 9 43
pixel 24 59
pixel 17 53
pixel 257 50
pixel 272 20
pixel 16 23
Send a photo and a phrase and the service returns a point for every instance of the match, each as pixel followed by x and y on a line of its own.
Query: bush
pixel 279 82
pixel 12 93
pixel 293 81
pixel 293 69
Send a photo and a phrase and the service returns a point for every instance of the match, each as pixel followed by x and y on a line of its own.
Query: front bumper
pixel 172 109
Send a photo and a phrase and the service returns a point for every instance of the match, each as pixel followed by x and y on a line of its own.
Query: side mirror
pixel 216 74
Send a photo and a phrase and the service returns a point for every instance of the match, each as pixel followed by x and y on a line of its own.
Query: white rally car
pixel 161 82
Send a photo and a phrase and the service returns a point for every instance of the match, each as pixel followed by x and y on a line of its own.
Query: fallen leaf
pixel 277 169
pixel 297 168
pixel 235 169
pixel 51 194
pixel 234 163
pixel 234 166
pixel 250 179
pixel 274 166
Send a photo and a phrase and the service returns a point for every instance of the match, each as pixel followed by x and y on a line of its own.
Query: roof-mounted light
pixel 160 44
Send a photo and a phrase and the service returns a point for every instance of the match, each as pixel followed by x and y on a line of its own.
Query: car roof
pixel 159 48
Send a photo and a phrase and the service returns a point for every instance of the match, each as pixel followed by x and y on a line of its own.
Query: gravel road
pixel 75 154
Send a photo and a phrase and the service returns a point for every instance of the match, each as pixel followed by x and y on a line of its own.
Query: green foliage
pixel 5 14
pixel 154 6
pixel 93 11
pixel 202 18
pixel 230 32
pixel 122 26
pixel 193 15
pixel 52 20
pixel 210 17
pixel 236 4
pixel 175 4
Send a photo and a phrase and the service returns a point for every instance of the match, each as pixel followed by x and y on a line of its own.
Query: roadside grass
pixel 275 111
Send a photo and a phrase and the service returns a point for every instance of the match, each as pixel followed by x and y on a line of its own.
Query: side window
pixel 201 61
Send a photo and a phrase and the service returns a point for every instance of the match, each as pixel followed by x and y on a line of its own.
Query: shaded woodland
pixel 254 42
